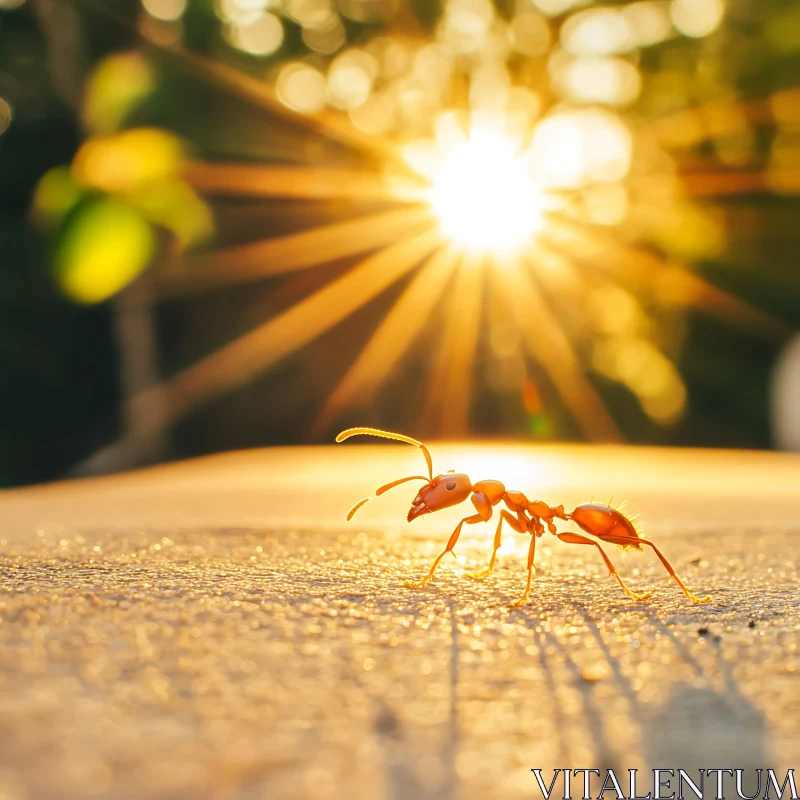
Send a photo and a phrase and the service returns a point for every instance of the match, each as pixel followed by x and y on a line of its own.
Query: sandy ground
pixel 214 629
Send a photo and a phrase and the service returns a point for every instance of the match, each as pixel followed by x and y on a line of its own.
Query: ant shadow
pixel 703 723
pixel 592 714
pixel 401 779
pixel 710 723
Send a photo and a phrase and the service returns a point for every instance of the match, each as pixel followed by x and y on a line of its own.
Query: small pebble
pixel 751 624
pixel 595 672
pixel 386 722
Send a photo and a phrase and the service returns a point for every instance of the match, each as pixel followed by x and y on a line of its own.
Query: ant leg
pixel 693 597
pixel 576 538
pixel 523 598
pixel 514 523
pixel 449 549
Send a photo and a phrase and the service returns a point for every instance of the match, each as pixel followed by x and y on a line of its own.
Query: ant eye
pixel 451 486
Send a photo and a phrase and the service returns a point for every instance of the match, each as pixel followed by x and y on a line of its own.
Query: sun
pixel 481 187
pixel 484 195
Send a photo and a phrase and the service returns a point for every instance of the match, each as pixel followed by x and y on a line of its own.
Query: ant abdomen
pixel 606 522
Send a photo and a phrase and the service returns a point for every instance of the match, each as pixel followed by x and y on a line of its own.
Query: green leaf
pixel 104 246
pixel 116 87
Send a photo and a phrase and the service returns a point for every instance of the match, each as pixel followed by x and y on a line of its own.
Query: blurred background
pixel 235 223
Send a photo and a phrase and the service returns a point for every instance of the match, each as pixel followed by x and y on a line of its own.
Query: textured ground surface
pixel 213 629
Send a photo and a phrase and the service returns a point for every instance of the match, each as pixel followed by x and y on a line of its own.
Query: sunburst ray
pixel 692 126
pixel 296 251
pixel 393 337
pixel 451 377
pixel 237 363
pixel 558 274
pixel 260 95
pixel 667 281
pixel 545 340
pixel 311 183
pixel 718 183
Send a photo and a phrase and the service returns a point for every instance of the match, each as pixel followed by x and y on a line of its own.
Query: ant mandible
pixel 523 515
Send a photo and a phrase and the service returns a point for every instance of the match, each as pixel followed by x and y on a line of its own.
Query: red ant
pixel 523 515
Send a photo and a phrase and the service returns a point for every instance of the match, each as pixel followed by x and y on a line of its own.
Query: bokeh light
pixel 308 13
pixel 786 397
pixel 302 88
pixel 166 10
pixel 697 17
pixel 350 78
pixel 5 115
pixel 530 34
pixel 606 204
pixel 260 35
pixel 241 12
pixel 326 36
pixel 467 24
pixel 597 79
pixel 573 148
pixel 598 32
pixel 554 8
pixel 649 22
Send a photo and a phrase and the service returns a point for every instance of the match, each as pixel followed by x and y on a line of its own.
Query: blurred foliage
pixel 102 211
pixel 95 116
pixel 102 248
pixel 117 86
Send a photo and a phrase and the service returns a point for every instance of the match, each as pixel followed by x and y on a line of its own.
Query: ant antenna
pixel 388 435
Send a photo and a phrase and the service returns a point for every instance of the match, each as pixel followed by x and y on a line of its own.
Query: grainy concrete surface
pixel 214 630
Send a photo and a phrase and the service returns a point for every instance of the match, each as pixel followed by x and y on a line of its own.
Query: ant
pixel 523 515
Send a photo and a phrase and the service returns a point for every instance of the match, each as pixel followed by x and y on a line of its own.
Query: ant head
pixel 437 493
pixel 443 491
